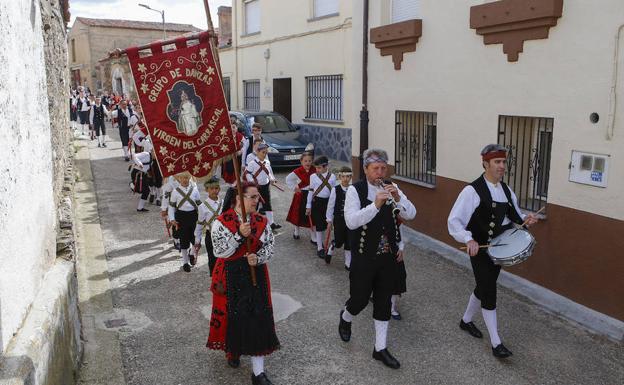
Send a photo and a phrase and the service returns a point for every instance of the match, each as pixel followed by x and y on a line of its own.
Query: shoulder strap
pixel 186 198
pixel 512 213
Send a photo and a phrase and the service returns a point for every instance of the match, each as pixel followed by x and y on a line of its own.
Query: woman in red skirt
pixel 299 182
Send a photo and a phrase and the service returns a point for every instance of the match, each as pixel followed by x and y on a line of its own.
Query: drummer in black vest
pixel 483 210
pixel 372 210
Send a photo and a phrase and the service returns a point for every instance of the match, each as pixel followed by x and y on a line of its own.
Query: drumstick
pixel 480 246
pixel 277 186
pixel 527 220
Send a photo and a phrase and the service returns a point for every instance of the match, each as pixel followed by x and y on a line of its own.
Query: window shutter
pixel 405 10
pixel 325 7
pixel 252 16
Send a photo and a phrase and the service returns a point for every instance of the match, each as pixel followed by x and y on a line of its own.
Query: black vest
pixel 122 119
pixel 487 219
pixel 98 113
pixel 340 202
pixel 365 240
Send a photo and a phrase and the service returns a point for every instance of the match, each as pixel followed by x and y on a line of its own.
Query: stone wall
pixel 334 142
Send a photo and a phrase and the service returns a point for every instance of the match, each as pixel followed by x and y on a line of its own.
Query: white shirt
pixel 92 112
pixel 85 104
pixel 356 216
pixel 177 197
pixel 315 182
pixel 225 243
pixel 332 202
pixel 465 205
pixel 138 137
pixel 142 161
pixel 209 210
pixel 292 182
pixel 263 178
pixel 167 188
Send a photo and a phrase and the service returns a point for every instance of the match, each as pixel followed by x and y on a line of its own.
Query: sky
pixel 176 11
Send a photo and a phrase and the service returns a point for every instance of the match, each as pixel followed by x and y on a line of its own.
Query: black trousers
pixel 374 274
pixel 319 211
pixel 485 273
pixel 265 193
pixel 187 221
pixel 212 260
pixel 124 135
pixel 99 127
pixel 341 233
pixel 141 183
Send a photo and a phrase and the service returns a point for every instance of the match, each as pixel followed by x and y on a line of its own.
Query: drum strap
pixel 512 214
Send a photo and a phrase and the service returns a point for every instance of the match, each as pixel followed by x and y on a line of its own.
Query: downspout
pixel 364 110
pixel 612 94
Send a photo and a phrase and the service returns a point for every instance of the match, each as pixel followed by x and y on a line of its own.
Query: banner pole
pixel 214 45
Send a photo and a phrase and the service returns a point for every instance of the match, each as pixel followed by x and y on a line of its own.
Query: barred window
pixel 415 148
pixel 251 94
pixel 324 94
pixel 529 141
pixel 226 90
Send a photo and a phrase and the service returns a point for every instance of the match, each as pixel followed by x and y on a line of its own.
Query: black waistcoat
pixel 122 119
pixel 487 219
pixel 365 240
pixel 98 113
pixel 340 202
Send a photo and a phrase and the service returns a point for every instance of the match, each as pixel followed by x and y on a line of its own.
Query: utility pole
pixel 162 14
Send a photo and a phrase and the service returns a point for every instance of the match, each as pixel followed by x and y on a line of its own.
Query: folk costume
pixel 209 210
pixel 297 212
pixel 374 243
pixel 141 176
pixel 482 211
pixel 123 117
pixel 83 106
pixel 97 116
pixel 335 214
pixel 320 186
pixel 242 315
pixel 73 113
pixel 400 284
pixel 183 208
pixel 261 173
pixel 169 186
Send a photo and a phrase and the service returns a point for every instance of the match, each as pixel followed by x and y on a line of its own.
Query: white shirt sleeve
pixel 268 166
pixel 244 151
pixel 172 201
pixel 331 204
pixel 292 181
pixel 465 205
pixel 201 222
pixel 355 216
pixel 408 210
pixel 514 199
pixel 91 113
pixel 266 250
pixel 224 242
pixel 314 181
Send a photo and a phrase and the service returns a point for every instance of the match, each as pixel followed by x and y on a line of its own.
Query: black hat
pixel 321 161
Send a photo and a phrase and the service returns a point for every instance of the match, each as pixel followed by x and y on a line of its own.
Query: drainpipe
pixel 364 110
pixel 612 94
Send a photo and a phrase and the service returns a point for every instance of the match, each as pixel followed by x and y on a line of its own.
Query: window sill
pixel 317 18
pixel 250 34
pixel 413 181
pixel 327 121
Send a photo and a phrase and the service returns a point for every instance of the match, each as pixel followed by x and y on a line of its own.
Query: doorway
pixel 282 97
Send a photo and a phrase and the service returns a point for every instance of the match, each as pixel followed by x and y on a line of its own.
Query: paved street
pixel 162 314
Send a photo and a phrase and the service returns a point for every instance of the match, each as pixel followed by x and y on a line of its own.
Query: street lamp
pixel 162 13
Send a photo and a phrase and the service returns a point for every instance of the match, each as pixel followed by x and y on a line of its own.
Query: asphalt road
pixel 162 314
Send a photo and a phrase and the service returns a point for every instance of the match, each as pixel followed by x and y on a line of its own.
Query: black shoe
pixel 347 268
pixel 151 199
pixel 396 316
pixel 296 236
pixel 275 226
pixel 328 258
pixel 103 144
pixel 320 253
pixel 142 210
pixel 99 145
pixel 193 259
pixel 234 363
pixel 501 351
pixel 262 379
pixel 186 267
pixel 387 358
pixel 127 159
pixel 158 202
pixel 470 328
pixel 344 329
pixel 312 241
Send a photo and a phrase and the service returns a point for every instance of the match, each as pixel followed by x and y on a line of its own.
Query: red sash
pixel 218 319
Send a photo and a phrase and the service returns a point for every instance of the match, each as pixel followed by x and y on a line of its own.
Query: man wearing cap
pixel 372 210
pixel 483 210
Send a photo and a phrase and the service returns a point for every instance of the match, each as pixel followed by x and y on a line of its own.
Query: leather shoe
pixel 501 351
pixel 186 267
pixel 320 253
pixel 275 226
pixel 387 358
pixel 296 236
pixel 344 329
pixel 234 363
pixel 470 328
pixel 262 379
pixel 142 210
pixel 396 316
pixel 328 258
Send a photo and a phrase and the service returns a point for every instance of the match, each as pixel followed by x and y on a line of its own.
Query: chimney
pixel 225 26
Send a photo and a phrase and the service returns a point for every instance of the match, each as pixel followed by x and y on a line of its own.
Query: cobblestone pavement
pixel 161 314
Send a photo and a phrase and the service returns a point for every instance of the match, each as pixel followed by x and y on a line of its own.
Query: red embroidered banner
pixel 183 104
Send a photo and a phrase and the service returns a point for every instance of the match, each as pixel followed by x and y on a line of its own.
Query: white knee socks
pixel 381 333
pixel 489 316
pixel 473 306
pixel 393 300
pixel 296 231
pixel 348 258
pixel 185 257
pixel 125 150
pixel 346 316
pixel 319 240
pixel 141 204
pixel 257 362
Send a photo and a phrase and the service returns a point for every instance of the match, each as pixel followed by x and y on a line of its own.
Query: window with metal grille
pixel 251 94
pixel 529 142
pixel 252 16
pixel 415 145
pixel 226 90
pixel 324 94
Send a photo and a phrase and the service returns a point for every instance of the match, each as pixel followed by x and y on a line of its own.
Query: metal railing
pixel 415 145
pixel 529 142
pixel 251 94
pixel 324 97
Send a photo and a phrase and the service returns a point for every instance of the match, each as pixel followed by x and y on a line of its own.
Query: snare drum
pixel 511 247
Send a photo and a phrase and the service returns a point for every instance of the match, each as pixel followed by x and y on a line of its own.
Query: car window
pixel 271 123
